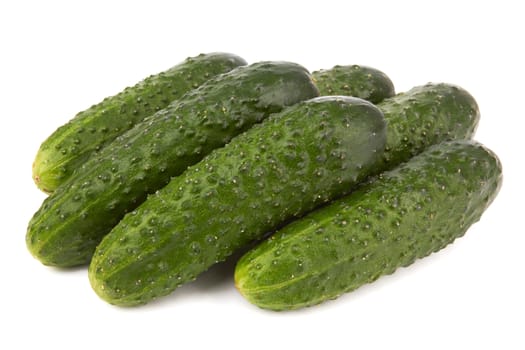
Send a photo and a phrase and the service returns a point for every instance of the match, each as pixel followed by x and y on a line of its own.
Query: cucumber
pixel 73 220
pixel 403 215
pixel 437 111
pixel 293 161
pixel 71 144
pixel 354 80
pixel 426 115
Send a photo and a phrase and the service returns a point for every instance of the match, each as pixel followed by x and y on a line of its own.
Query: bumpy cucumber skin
pixel 306 155
pixel 419 118
pixel 354 80
pixel 73 220
pixel 405 214
pixel 71 144
pixel 424 116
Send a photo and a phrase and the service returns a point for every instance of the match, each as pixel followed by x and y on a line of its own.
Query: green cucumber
pixel 426 115
pixel 293 161
pixel 437 112
pixel 71 144
pixel 73 220
pixel 403 215
pixel 354 80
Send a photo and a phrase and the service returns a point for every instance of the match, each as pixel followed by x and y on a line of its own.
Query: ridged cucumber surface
pixel 70 145
pixel 73 220
pixel 403 215
pixel 354 80
pixel 295 160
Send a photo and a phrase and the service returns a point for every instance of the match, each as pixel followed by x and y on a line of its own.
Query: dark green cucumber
pixel 424 116
pixel 293 161
pixel 73 220
pixel 438 111
pixel 71 144
pixel 359 81
pixel 403 215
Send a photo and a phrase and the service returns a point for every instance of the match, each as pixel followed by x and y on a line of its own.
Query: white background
pixel 59 58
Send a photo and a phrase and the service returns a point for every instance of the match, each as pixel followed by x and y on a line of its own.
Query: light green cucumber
pixel 304 156
pixel 72 221
pixel 89 131
pixel 354 80
pixel 403 215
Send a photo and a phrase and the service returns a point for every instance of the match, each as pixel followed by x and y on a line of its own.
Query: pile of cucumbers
pixel 332 177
